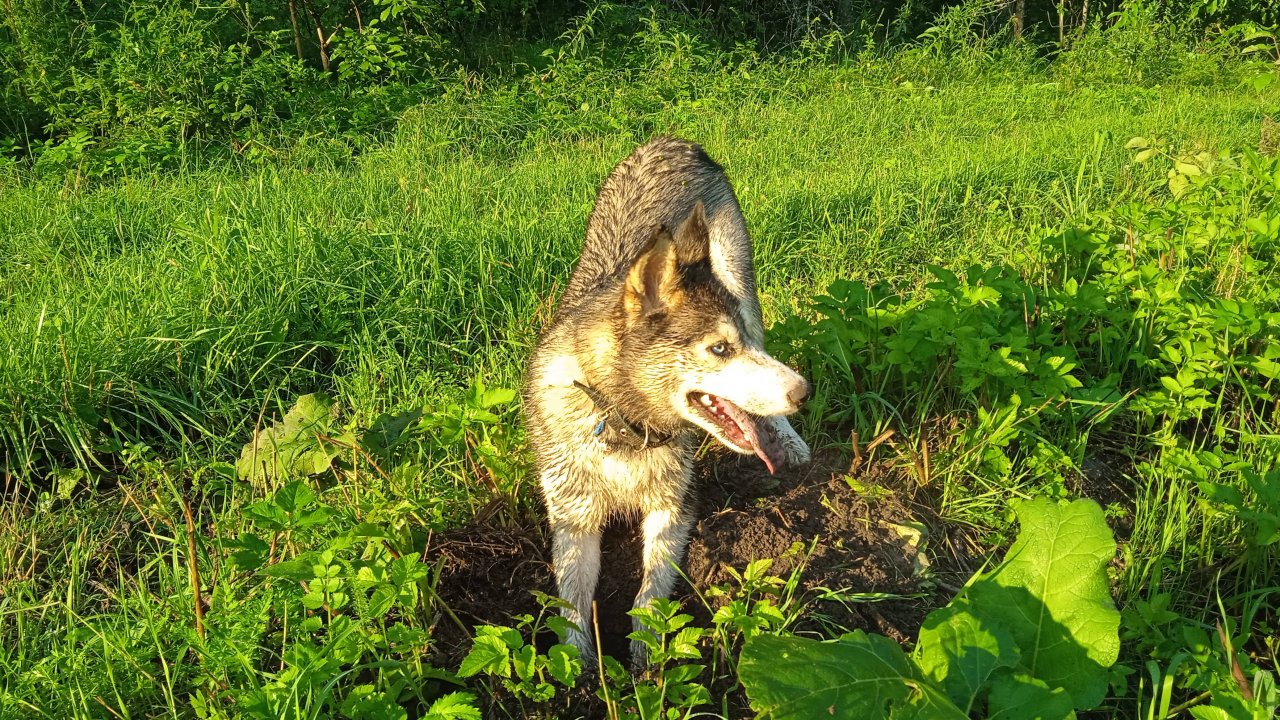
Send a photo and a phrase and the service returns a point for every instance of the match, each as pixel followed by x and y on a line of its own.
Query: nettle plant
pixel 1154 315
pixel 476 437
pixel 341 599
pixel 667 690
pixel 682 656
pixel 500 653
pixel 347 607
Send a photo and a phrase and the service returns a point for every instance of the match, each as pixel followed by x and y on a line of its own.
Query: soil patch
pixel 869 558
pixel 862 553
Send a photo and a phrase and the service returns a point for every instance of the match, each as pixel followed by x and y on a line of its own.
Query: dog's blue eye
pixel 720 349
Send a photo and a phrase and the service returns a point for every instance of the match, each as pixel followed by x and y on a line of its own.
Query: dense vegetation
pixel 132 85
pixel 268 272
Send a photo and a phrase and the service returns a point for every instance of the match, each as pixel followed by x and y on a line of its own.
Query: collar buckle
pixel 627 433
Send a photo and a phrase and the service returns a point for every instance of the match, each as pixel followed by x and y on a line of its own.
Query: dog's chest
pixel 601 481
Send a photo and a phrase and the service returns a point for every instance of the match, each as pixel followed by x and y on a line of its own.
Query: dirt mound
pixel 861 553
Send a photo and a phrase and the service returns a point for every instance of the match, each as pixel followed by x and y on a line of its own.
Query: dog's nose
pixel 800 393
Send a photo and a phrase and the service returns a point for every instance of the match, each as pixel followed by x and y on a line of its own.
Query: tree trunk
pixel 1019 15
pixel 321 38
pixel 1062 33
pixel 324 48
pixel 293 20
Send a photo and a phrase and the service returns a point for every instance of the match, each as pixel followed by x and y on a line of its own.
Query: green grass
pixel 152 322
pixel 185 301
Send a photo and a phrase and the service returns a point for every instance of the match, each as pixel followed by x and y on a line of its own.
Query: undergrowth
pixel 238 402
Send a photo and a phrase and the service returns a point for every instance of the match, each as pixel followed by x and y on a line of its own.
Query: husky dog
pixel 657 338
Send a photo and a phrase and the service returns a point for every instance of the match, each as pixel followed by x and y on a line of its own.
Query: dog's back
pixel 658 186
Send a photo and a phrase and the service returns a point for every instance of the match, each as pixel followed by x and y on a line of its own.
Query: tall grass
pixel 170 308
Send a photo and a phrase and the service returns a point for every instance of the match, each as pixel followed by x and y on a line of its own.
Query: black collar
pixel 627 433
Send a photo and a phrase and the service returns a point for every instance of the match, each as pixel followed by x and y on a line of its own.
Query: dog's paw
pixel 798 453
pixel 795 451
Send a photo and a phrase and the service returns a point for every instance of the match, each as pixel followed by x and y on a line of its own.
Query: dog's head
pixel 685 354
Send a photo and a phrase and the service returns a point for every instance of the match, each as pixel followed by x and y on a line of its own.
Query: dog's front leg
pixel 576 555
pixel 666 532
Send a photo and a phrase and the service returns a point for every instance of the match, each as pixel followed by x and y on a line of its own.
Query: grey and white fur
pixel 657 340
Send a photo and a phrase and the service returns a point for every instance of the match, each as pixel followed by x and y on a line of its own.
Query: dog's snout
pixel 800 393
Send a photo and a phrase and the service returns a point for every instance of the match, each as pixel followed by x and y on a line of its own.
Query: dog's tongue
pixel 762 437
pixel 766 444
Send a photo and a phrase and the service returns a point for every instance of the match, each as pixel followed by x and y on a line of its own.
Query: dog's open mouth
pixel 737 428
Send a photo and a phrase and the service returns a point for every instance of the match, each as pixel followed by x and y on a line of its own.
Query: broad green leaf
pixel 1018 696
pixel 685 644
pixel 453 706
pixel 858 676
pixel 488 655
pixel 648 701
pixel 409 569
pixel 959 652
pixel 290 447
pixel 525 662
pixel 1221 494
pixel 296 569
pixel 387 430
pixel 560 625
pixel 563 664
pixel 509 636
pixel 1051 594
pixel 381 601
pixel 365 702
pixel 497 396
pixel 369 531
pixel 1208 712
pixel 1269 369
pixel 1186 168
pixel 483 416
pixel 682 673
pixel 251 553
pixel 318 516
pixel 266 514
pixel 294 496
pixel 66 481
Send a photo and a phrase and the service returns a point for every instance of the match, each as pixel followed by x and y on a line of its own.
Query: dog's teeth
pixel 706 400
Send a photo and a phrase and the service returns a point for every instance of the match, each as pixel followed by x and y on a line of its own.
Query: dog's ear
pixel 653 284
pixel 693 240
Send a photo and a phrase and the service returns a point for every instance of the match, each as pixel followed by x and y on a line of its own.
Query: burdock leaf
pixel 1017 696
pixel 858 676
pixel 291 447
pixel 1051 595
pixel 960 652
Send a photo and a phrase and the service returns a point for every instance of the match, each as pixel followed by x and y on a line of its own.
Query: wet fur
pixel 666 268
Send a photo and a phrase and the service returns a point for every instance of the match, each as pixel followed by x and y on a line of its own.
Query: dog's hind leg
pixel 576 557
pixel 666 533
